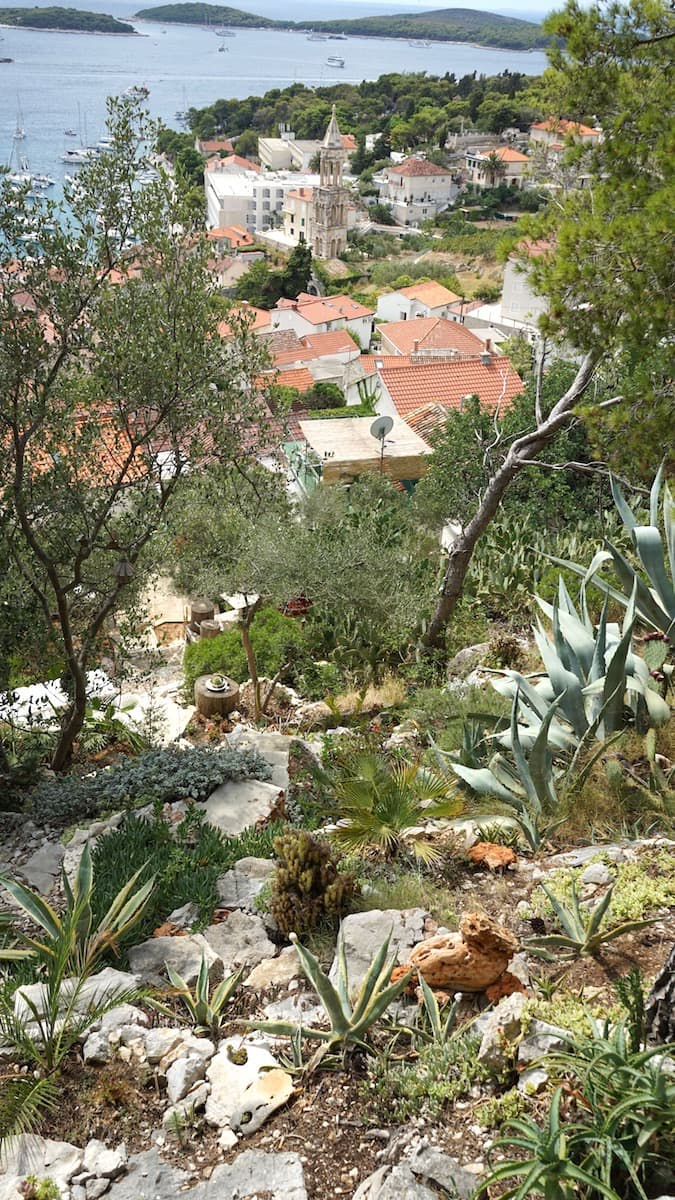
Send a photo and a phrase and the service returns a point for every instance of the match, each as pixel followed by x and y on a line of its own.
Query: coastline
pixel 56 29
pixel 380 37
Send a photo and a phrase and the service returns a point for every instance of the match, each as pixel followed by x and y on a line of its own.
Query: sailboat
pixel 19 132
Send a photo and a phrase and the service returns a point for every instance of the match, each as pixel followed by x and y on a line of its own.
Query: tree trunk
pixel 74 720
pixel 519 456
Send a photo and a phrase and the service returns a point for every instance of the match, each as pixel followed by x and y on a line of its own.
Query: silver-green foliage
pixel 583 931
pixel 350 1021
pixel 655 594
pixel 205 1007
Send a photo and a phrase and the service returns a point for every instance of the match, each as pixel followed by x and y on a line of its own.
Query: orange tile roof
pixel 417 166
pixel 298 378
pixel 508 155
pixel 428 420
pixel 236 235
pixel 348 141
pixel 448 382
pixel 372 363
pixel 261 318
pixel 433 294
pixel 314 346
pixel 568 128
pixel 431 333
pixel 532 249
pixel 301 193
pixel 214 145
pixel 319 311
pixel 232 160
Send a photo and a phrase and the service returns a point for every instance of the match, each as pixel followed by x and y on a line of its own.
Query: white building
pixel 429 299
pixel 417 190
pixel 490 168
pixel 253 199
pixel 287 153
pixel 323 314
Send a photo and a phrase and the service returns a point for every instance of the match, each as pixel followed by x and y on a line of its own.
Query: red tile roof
pixel 431 293
pixel 301 193
pixel 236 235
pixel 374 362
pixel 417 166
pixel 316 345
pixel 321 310
pixel 567 128
pixel 261 318
pixel 348 141
pixel 215 145
pixel 448 382
pixel 232 160
pixel 508 155
pixel 297 377
pixel 428 420
pixel 431 333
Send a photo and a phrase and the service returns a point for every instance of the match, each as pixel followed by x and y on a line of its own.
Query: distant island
pixel 441 25
pixel 70 19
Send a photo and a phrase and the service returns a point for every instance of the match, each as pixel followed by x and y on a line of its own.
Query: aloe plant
pixel 583 931
pixel 350 1021
pixel 654 598
pixel 205 1009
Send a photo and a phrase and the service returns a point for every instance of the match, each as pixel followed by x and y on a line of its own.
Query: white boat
pixel 318 37
pixel 334 60
pixel 224 32
pixel 43 181
pixel 75 157
pixel 137 91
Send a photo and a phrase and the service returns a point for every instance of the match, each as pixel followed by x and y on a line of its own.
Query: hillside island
pixel 441 25
pixel 71 20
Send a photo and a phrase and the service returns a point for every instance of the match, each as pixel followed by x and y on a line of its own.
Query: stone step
pixel 261 741
pixel 240 803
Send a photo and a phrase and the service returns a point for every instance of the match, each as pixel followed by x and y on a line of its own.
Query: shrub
pixel 187 862
pixel 307 887
pixel 276 640
pixel 158 775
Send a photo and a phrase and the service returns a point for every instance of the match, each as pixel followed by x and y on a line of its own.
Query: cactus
pixel 655 651
pixel 307 887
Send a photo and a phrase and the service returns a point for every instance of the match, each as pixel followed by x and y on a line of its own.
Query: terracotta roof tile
pixel 417 166
pixel 431 333
pixel 428 420
pixel 448 382
pixel 314 346
pixel 320 310
pixel 566 128
pixel 297 377
pixel 433 294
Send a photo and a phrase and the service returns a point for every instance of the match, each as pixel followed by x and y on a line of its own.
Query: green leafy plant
pixel 307 887
pixel 436 1025
pixel 546 1168
pixel 381 804
pixel 277 640
pixel 350 1022
pixel 33 1188
pixel 401 1089
pixel 162 775
pixel 631 996
pixel 205 1007
pixel 583 930
pixel 73 935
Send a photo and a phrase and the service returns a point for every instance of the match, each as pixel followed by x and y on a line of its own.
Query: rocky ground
pixel 148 1109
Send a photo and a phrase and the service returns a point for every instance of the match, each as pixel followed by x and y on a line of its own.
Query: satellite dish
pixel 380 427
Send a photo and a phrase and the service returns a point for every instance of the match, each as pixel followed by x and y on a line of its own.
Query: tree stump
pixel 212 703
pixel 209 629
pixel 200 610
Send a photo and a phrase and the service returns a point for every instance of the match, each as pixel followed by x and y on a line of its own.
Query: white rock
pixel 532 1081
pixel 239 941
pixel 265 1095
pixel 184 954
pixel 101 1161
pixel 503 1028
pixel 240 886
pixel 183 1075
pixel 159 1042
pixel 29 1154
pixel 235 1067
pixel 184 1110
pixel 96 1049
pixel 598 874
pixel 365 932
pixel 275 972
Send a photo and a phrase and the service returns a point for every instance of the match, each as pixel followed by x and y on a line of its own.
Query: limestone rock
pixel 239 941
pixel 504 1027
pixel 444 1171
pixel 541 1038
pixel 466 660
pixel 532 1081
pixel 184 954
pixel 148 1178
pixel 234 1068
pixel 279 1176
pixel 96 1049
pixel 240 886
pixel 159 1042
pixel 468 961
pixel 29 1154
pixel 365 932
pixel 184 1110
pixel 239 803
pixel 269 1092
pixel 393 1183
pixel 182 1075
pixel 275 972
pixel 104 1162
pixel 43 868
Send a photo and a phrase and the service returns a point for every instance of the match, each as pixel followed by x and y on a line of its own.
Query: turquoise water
pixel 60 81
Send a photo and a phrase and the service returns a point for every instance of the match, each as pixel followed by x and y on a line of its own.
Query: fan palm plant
pixel 383 804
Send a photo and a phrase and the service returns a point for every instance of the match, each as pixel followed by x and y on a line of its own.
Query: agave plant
pixel 205 1009
pixel 528 785
pixel 349 1021
pixel 582 929
pixel 382 805
pixel 654 598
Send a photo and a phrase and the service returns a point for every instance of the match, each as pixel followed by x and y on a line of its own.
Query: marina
pixel 187 66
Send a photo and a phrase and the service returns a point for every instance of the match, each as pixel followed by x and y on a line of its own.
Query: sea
pixel 60 81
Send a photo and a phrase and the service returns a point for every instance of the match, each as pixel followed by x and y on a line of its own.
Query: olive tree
pixel 114 384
